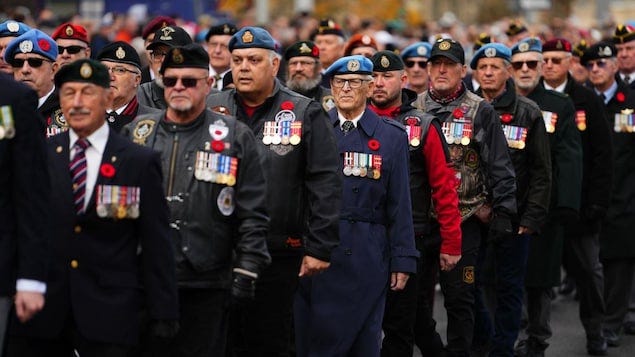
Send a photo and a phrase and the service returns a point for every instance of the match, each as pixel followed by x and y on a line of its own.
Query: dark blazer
pixel 24 185
pixel 96 271
pixel 145 75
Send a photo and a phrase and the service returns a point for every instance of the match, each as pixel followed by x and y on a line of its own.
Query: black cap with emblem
pixel 188 56
pixel 602 49
pixel 385 61
pixel 302 48
pixel 83 70
pixel 448 48
pixel 223 29
pixel 170 36
pixel 120 52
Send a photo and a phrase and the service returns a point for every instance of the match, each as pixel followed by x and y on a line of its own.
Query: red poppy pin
pixel 107 170
pixel 506 118
pixel 218 145
pixel 44 45
pixel 315 51
pixel 457 113
pixel 373 144
pixel 287 105
pixel 620 97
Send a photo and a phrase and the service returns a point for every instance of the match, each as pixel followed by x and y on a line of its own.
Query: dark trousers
pixel 5 308
pixel 584 255
pixel 263 328
pixel 538 315
pixel 499 292
pixel 618 278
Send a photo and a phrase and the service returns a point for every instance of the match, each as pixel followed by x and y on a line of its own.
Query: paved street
pixel 568 336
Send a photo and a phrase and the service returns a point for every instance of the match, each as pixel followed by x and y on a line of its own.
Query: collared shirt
pixel 41 101
pixel 631 77
pixel 609 93
pixel 354 120
pixel 93 154
pixel 559 88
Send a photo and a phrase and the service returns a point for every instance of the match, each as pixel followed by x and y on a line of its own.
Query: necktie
pixel 218 80
pixel 77 167
pixel 603 98
pixel 347 126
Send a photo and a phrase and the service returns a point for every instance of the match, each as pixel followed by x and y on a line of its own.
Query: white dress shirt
pixel 93 154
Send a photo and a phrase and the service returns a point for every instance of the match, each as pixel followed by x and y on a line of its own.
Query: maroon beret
pixel 158 22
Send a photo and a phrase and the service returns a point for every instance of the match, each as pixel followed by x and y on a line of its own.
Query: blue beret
pixel 418 49
pixel 527 44
pixel 252 37
pixel 491 50
pixel 12 28
pixel 32 41
pixel 350 65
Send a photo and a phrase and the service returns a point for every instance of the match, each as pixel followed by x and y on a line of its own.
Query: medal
pixel 121 212
pixel 414 142
pixel 2 132
pixel 133 211
pixel 465 141
pixel 102 211
pixel 276 140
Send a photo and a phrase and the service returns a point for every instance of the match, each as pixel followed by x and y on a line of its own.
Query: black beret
pixel 223 29
pixel 302 48
pixel 578 50
pixel 385 61
pixel 188 56
pixel 602 49
pixel 328 27
pixel 623 34
pixel 120 52
pixel 170 36
pixel 83 70
pixel 515 28
pixel 483 39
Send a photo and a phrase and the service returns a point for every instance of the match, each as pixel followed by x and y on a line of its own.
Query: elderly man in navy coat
pixel 340 311
pixel 107 206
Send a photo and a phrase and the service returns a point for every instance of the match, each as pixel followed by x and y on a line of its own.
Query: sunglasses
pixel 600 63
pixel 72 50
pixel 421 64
pixel 187 82
pixel 554 60
pixel 33 62
pixel 530 64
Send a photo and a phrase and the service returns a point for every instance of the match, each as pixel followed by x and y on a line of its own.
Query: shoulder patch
pixel 142 131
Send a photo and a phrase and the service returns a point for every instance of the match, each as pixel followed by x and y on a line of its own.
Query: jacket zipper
pixel 175 146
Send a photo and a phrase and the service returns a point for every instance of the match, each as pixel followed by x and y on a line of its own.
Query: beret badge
pixel 167 33
pixel 490 52
pixel 177 56
pixel 384 62
pixel 247 37
pixel 422 51
pixel 353 65
pixel 523 47
pixel 69 31
pixel 120 53
pixel 86 71
pixel 13 27
pixel 444 46
pixel 226 29
pixel 605 51
pixel 26 46
pixel 304 48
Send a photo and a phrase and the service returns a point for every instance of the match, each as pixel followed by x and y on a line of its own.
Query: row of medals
pixel 284 132
pixel 7 130
pixel 515 135
pixel 216 168
pixel 457 133
pixel 624 123
pixel 363 166
pixel 118 201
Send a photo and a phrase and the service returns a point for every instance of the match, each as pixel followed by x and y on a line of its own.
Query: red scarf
pixel 390 112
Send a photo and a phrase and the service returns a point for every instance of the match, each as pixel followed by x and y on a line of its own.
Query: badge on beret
pixel 559 45
pixel 444 46
pixel 248 37
pixel 523 47
pixel 142 130
pixel 422 51
pixel 490 52
pixel 226 29
pixel 304 48
pixel 69 31
pixel 26 46
pixel 605 51
pixel 384 62
pixel 366 40
pixel 167 33
pixel 177 56
pixel 13 27
pixel 86 71
pixel 353 65
pixel 120 53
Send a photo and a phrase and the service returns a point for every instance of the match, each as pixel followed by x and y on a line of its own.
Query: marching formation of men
pixel 236 198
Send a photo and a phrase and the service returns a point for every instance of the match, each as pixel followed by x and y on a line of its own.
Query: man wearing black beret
pixel 107 205
pixel 303 73
pixel 216 192
pixel 217 39
pixel 124 66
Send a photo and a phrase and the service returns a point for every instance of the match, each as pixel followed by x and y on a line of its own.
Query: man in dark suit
pixel 22 203
pixel 108 204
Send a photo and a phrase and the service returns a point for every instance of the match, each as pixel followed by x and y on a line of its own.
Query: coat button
pixel 74 264
pixel 78 229
pixel 185 249
pixel 348 252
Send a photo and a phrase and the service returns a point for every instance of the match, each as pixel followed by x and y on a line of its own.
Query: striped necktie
pixel 77 167
pixel 347 126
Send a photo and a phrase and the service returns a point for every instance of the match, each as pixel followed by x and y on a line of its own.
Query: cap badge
pixel 559 45
pixel 605 52
pixel 444 46
pixel 13 26
pixel 167 33
pixel 226 29
pixel 177 56
pixel 490 52
pixel 384 62
pixel 69 31
pixel 26 46
pixel 422 50
pixel 523 47
pixel 86 71
pixel 304 48
pixel 247 37
pixel 120 53
pixel 366 40
pixel 353 65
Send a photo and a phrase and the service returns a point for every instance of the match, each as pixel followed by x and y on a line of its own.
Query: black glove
pixel 500 227
pixel 243 289
pixel 164 328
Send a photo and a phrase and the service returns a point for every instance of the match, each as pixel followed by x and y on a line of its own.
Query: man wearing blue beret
pixel 504 261
pixel 9 30
pixel 300 159
pixel 415 58
pixel 545 253
pixel 377 249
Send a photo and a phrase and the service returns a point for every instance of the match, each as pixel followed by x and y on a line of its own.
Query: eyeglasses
pixel 120 71
pixel 33 62
pixel 353 83
pixel 72 50
pixel 421 64
pixel 600 63
pixel 530 64
pixel 302 63
pixel 554 60
pixel 185 81
pixel 157 56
